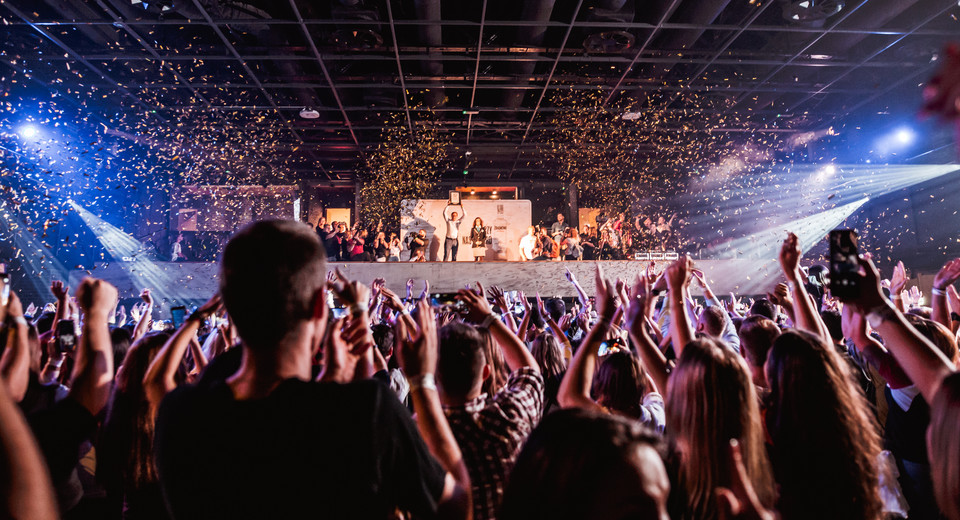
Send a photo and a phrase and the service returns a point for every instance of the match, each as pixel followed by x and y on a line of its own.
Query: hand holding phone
pixel 844 264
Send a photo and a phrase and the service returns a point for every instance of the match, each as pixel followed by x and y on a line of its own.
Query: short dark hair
pixel 383 337
pixel 121 339
pixel 713 319
pixel 461 360
pixel 763 307
pixel 270 273
pixel 555 308
pixel 757 334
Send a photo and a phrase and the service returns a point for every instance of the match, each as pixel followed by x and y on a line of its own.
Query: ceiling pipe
pixel 535 11
pixel 431 35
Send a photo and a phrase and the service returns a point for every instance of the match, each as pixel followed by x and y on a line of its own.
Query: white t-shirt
pixel 453 228
pixel 527 245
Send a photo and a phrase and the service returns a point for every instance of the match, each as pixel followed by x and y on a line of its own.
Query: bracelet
pixel 19 320
pixel 896 297
pixel 485 324
pixel 425 381
pixel 938 292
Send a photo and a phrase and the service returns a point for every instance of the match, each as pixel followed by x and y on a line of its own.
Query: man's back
pixel 308 449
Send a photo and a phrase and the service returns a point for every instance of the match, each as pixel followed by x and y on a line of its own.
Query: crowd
pixel 608 238
pixel 295 392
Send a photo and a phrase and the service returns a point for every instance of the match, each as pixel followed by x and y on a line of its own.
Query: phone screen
pixel 844 263
pixel 177 314
pixel 66 336
pixel 338 312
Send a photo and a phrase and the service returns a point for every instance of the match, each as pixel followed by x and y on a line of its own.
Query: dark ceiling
pixel 487 69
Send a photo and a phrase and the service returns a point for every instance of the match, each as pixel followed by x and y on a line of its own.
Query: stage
pixel 191 282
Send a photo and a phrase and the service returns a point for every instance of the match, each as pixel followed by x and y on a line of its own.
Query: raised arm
pixel 574 390
pixel 923 363
pixel 15 363
pixel 417 351
pixel 806 315
pixel 681 329
pixel 93 367
pixel 27 492
pixel 581 294
pixel 146 316
pixel 515 353
pixel 159 379
pixel 639 310
pixel 944 279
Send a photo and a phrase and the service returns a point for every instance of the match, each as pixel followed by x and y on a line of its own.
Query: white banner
pixel 506 222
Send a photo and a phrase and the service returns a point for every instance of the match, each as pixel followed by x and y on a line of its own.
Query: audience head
pixel 546 350
pixel 555 308
pixel 620 383
pixel 943 446
pixel 711 400
pixel 383 337
pixel 757 334
pixel 763 307
pixel 833 321
pixel 825 438
pixel 578 465
pixel 940 336
pixel 461 365
pixel 120 338
pixel 711 321
pixel 271 278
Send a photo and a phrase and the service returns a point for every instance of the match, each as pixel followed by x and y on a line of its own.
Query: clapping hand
pixel 790 256
pixel 349 292
pixel 146 297
pixel 417 349
pixel 477 306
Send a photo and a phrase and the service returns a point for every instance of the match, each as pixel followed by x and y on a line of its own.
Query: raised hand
pixel 60 290
pixel 947 275
pixel 146 297
pixel 916 296
pixel 426 290
pixel 391 300
pixel 899 279
pixel 417 349
pixel 31 310
pixel 524 302
pixel 96 297
pixel 678 273
pixel 351 293
pixel 570 276
pixel 640 306
pixel 606 304
pixel 500 298
pixel 347 350
pixel 790 256
pixel 477 307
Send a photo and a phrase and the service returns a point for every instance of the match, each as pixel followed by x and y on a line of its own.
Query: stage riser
pixel 196 281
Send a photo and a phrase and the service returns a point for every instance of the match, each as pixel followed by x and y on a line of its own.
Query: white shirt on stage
pixel 453 227
pixel 527 246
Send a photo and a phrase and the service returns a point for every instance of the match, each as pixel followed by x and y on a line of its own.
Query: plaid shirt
pixel 490 433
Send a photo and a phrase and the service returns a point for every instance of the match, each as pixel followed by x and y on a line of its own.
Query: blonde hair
pixel 711 400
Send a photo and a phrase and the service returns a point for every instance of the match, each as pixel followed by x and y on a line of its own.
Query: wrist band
pixel 425 381
pixel 938 292
pixel 358 308
pixel 485 324
pixel 896 297
pixel 19 320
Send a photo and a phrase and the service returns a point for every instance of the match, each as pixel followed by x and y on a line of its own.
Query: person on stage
pixel 418 246
pixel 178 250
pixel 528 245
pixel 452 241
pixel 559 228
pixel 478 240
pixel 549 250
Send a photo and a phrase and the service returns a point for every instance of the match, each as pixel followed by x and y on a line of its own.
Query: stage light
pixel 905 136
pixel 829 169
pixel 28 131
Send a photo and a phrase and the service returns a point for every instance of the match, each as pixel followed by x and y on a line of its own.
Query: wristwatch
pixel 880 314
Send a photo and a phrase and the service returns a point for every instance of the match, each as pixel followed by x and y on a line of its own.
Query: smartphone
pixel 844 264
pixel 177 315
pixel 66 336
pixel 338 312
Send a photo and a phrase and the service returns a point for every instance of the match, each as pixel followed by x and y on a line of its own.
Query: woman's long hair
pixel 944 446
pixel 546 350
pixel 478 219
pixel 711 400
pixel 130 421
pixel 825 439
pixel 620 384
pixel 498 366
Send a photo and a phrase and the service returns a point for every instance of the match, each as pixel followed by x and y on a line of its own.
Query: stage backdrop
pixel 506 221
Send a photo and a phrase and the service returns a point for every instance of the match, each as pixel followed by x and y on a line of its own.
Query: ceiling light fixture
pixel 309 113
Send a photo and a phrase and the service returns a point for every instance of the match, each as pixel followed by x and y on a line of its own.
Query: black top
pixel 905 433
pixel 478 237
pixel 317 450
pixel 417 243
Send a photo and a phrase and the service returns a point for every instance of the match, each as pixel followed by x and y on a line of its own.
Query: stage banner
pixel 506 222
